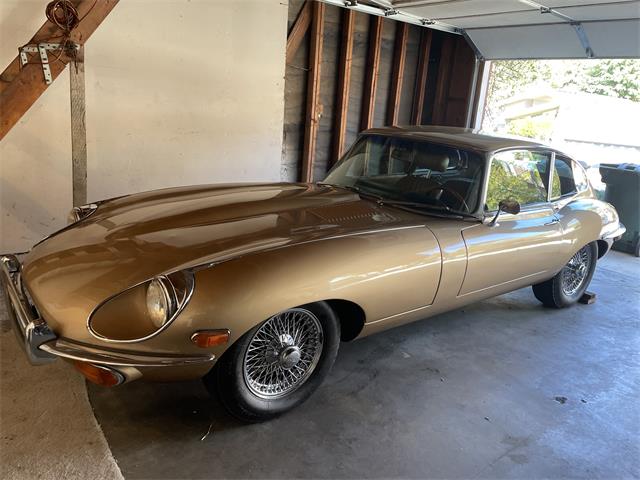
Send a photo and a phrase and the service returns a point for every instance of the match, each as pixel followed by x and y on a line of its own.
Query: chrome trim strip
pixel 85 353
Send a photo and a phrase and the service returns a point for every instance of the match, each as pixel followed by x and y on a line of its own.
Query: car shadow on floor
pixel 187 410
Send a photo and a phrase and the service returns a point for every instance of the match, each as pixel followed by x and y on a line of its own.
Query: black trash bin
pixel 623 192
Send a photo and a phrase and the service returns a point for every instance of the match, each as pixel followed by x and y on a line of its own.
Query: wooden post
pixel 313 93
pixel 21 87
pixel 371 75
pixel 299 30
pixel 344 80
pixel 421 76
pixel 397 75
pixel 442 84
pixel 78 129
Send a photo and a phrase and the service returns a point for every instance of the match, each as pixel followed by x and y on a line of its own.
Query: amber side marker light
pixel 99 375
pixel 210 338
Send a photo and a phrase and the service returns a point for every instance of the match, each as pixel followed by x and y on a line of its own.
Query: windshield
pixel 412 172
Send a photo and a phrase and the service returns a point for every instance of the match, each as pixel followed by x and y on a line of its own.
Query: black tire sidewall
pixel 241 402
pixel 560 298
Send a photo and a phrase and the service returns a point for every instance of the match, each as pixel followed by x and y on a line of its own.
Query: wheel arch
pixel 351 317
pixel 603 248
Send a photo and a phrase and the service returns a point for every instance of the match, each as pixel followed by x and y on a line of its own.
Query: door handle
pixel 552 222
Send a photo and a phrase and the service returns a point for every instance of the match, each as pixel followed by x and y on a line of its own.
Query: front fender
pixel 385 273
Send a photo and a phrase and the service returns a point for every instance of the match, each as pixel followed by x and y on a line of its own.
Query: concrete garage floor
pixel 503 388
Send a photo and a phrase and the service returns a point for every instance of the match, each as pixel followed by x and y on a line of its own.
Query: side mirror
pixel 507 206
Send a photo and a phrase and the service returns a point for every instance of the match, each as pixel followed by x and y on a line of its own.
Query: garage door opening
pixel 558 102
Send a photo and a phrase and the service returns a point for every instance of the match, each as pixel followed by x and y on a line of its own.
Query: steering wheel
pixel 444 188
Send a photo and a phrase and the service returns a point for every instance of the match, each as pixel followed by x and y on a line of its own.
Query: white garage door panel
pixel 540 41
pixel 498 20
pixel 614 39
pixel 603 12
pixel 518 29
pixel 465 8
pixel 569 3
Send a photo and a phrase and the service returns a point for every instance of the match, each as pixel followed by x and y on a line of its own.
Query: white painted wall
pixel 179 92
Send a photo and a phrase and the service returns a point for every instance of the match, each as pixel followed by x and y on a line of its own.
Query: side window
pixel 580 177
pixel 563 180
pixel 518 175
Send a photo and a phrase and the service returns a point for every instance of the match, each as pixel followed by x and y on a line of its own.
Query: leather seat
pixel 420 185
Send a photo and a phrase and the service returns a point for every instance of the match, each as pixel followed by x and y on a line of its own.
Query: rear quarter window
pixel 563 178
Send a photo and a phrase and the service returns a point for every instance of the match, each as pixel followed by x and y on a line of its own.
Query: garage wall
pixel 449 79
pixel 177 92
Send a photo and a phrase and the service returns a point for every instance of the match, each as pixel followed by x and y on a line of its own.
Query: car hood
pixel 130 239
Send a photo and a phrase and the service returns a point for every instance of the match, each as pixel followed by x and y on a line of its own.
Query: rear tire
pixel 278 364
pixel 571 282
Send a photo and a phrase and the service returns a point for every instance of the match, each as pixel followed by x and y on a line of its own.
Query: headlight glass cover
pixel 161 301
pixel 144 310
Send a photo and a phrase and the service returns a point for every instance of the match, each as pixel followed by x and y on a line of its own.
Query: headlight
pixel 144 310
pixel 161 301
pixel 78 213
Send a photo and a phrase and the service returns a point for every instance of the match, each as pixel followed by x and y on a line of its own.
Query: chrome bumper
pixel 615 234
pixel 42 346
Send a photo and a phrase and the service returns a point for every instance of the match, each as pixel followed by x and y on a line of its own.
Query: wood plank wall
pixel 413 67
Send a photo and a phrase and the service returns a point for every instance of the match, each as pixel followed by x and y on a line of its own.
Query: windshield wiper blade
pixel 353 188
pixel 424 206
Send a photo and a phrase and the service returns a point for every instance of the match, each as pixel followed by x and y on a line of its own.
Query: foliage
pixel 508 78
pixel 614 78
pixel 539 127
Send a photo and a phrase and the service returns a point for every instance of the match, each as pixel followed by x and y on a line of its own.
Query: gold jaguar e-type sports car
pixel 252 287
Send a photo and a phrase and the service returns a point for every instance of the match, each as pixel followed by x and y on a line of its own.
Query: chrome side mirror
pixel 507 206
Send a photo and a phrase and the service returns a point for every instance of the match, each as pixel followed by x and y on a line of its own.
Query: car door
pixel 522 248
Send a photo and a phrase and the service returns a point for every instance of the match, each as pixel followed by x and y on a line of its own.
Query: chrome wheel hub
pixel 283 353
pixel 575 272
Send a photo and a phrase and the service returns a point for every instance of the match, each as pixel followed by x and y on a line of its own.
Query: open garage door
pixel 518 29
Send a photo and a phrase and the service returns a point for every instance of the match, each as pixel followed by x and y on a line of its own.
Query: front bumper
pixel 615 233
pixel 42 346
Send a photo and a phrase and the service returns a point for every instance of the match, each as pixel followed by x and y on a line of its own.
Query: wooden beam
pixel 21 87
pixel 344 80
pixel 299 30
pixel 442 83
pixel 419 93
pixel 371 74
pixel 397 74
pixel 313 92
pixel 78 129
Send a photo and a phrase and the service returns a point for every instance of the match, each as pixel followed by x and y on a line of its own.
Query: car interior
pixel 424 172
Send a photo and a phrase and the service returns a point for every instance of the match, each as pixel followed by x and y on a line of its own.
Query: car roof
pixel 458 137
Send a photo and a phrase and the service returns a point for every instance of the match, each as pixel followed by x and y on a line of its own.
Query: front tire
pixel 278 364
pixel 571 282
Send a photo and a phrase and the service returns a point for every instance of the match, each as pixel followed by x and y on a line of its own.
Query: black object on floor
pixel 587 298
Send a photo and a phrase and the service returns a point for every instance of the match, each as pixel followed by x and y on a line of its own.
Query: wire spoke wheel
pixel 575 272
pixel 283 353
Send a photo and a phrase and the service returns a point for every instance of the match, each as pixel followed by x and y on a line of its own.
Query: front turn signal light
pixel 210 338
pixel 99 375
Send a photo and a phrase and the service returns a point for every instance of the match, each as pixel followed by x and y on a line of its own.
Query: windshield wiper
pixel 402 203
pixel 424 206
pixel 354 189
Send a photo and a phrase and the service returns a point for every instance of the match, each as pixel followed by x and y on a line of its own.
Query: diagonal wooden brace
pixel 20 87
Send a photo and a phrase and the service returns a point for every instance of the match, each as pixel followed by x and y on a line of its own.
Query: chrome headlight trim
pixel 180 306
